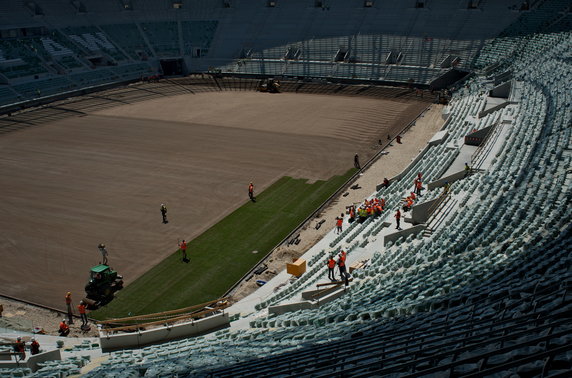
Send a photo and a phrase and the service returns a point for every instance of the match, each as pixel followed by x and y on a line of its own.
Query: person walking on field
pixel 356 162
pixel 398 218
pixel 183 248
pixel 164 213
pixel 251 192
pixel 331 267
pixel 69 307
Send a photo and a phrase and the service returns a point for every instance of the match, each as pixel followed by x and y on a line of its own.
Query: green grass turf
pixel 223 254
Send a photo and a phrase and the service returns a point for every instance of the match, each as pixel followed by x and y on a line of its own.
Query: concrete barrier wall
pixel 451 178
pixel 494 109
pixel 158 335
pixel 403 233
pixel 51 355
pixel 32 361
pixel 421 213
pixel 290 307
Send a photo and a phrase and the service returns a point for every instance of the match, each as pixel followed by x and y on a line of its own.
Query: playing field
pixel 72 184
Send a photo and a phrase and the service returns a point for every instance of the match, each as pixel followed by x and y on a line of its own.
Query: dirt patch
pixel 23 317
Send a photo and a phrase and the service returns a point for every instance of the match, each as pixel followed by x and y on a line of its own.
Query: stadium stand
pixel 164 37
pixel 483 289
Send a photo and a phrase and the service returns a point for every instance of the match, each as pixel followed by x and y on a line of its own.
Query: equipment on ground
pixel 269 85
pixel 102 285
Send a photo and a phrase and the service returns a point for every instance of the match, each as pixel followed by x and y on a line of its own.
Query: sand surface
pixel 77 182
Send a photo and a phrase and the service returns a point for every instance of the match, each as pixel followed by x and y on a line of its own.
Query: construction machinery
pixel 269 85
pixel 102 285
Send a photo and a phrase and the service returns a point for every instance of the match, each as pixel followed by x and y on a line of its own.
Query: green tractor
pixel 102 285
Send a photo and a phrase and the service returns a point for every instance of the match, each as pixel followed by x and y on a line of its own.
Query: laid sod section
pixel 223 254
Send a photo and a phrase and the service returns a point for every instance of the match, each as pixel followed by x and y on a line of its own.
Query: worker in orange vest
pixel 69 307
pixel 20 348
pixel 183 248
pixel 342 266
pixel 398 218
pixel 343 255
pixel 34 346
pixel 251 192
pixel 339 223
pixel 64 329
pixel 352 214
pixel 331 266
pixel 81 308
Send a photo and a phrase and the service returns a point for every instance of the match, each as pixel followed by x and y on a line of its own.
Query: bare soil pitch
pixel 72 184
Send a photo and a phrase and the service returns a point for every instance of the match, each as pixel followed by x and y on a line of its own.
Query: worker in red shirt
pixel 331 267
pixel 418 187
pixel 81 308
pixel 183 248
pixel 64 329
pixel 385 183
pixel 398 218
pixel 251 192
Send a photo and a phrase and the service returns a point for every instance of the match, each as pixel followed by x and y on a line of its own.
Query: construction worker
pixel 331 267
pixel 446 187
pixel 418 187
pixel 81 308
pixel 20 348
pixel 356 162
pixel 339 223
pixel 342 266
pixel 251 192
pixel 467 170
pixel 385 183
pixel 183 248
pixel 69 307
pixel 34 346
pixel 64 329
pixel 398 218
pixel 352 214
pixel 164 213
pixel 103 251
pixel 343 255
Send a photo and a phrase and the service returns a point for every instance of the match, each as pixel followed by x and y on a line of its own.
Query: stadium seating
pixel 198 34
pixel 130 39
pixel 164 37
